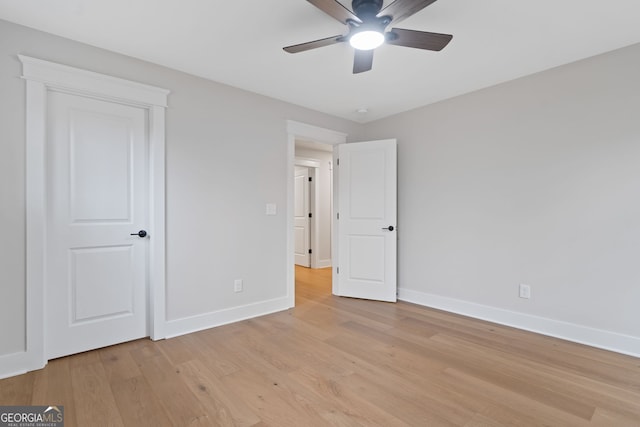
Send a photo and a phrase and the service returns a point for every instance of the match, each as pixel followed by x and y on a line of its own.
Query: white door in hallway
pixel 301 220
pixel 367 237
pixel 96 264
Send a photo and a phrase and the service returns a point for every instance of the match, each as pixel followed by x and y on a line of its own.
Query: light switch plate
pixel 271 209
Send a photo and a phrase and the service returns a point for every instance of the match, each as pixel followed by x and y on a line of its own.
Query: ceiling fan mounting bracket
pixel 366 9
pixel 379 24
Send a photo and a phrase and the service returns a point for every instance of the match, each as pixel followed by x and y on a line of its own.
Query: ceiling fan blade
pixel 418 39
pixel 402 9
pixel 314 44
pixel 335 10
pixel 362 61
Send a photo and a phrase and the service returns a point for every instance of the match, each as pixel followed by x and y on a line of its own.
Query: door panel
pixel 367 184
pixel 366 258
pixel 301 221
pixel 100 297
pixel 96 271
pixel 100 164
pixel 367 208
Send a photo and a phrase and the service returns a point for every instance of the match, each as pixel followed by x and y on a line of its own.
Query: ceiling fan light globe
pixel 366 40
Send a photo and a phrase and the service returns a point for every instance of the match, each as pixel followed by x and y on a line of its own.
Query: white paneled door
pixel 96 264
pixel 367 224
pixel 301 221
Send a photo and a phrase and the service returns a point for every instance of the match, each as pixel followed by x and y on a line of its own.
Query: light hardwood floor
pixel 341 362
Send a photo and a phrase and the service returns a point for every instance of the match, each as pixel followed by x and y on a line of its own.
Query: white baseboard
pixel 599 338
pixel 174 328
pixel 14 364
pixel 323 263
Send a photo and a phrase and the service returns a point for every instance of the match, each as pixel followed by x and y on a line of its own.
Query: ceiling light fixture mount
pixel 366 39
pixel 368 34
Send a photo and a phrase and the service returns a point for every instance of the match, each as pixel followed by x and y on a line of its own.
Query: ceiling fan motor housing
pixel 366 9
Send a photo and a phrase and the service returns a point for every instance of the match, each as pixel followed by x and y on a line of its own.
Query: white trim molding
pixel 581 334
pixel 41 78
pixel 13 364
pixel 76 80
pixel 315 133
pixel 204 321
pixel 324 263
pixel 305 162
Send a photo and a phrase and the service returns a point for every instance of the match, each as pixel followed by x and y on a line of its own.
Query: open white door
pixel 367 219
pixel 301 229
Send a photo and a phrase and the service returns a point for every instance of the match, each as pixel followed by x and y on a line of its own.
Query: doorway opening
pixel 307 136
pixel 363 247
pixel 312 216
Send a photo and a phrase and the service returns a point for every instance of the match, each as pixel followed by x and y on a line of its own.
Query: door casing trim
pixel 41 78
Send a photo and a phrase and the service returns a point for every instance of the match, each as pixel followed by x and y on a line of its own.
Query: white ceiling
pixel 240 43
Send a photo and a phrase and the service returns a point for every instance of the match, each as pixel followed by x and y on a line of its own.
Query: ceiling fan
pixel 366 27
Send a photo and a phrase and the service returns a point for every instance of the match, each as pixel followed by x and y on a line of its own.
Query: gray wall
pixel 534 181
pixel 226 158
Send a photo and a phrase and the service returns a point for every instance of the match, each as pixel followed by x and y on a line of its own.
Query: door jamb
pixel 42 77
pixel 298 130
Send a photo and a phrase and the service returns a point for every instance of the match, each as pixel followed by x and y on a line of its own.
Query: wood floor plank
pixel 596 363
pixel 261 393
pixel 471 360
pixel 179 403
pixel 334 361
pixel 296 323
pixel 118 363
pixel 591 390
pixel 605 418
pixel 137 402
pixel 415 410
pixel 94 403
pixel 17 390
pixel 211 353
pixel 342 402
pixel 176 351
pixel 53 387
pixel 505 405
pixel 225 408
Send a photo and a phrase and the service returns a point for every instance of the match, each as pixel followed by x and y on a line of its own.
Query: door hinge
pixel 337 270
pixel 338 162
pixel 309 250
pixel 310 179
pixel 338 215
